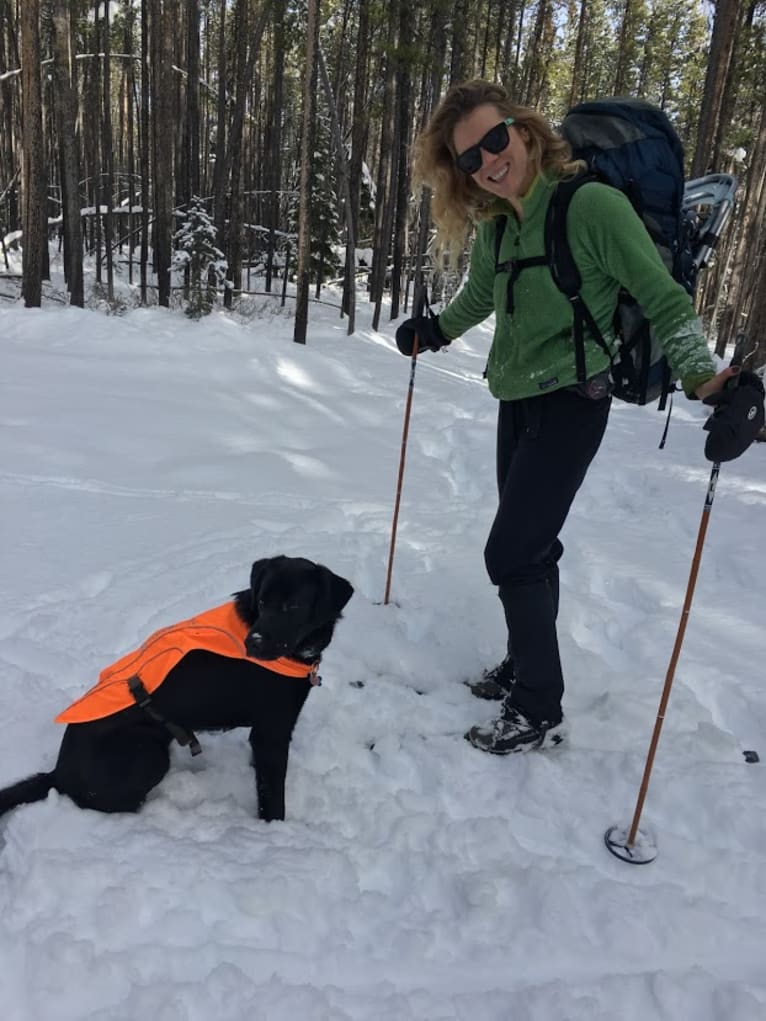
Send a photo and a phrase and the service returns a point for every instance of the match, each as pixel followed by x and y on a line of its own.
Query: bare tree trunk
pixel 191 140
pixel 307 151
pixel 510 71
pixel 461 58
pixel 732 84
pixel 176 56
pixel 248 44
pixel 626 49
pixel 221 171
pixel 577 64
pixel 234 154
pixel 65 102
pixel 107 160
pixel 8 102
pixel 757 312
pixel 34 176
pixel 274 137
pixel 721 45
pixel 437 45
pixel 401 180
pixel 130 84
pixel 145 146
pixel 161 40
pixel 490 29
pixel 385 180
pixel 517 69
pixel 535 56
pixel 359 131
pixel 747 290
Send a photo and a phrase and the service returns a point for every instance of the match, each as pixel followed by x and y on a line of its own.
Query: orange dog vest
pixel 220 630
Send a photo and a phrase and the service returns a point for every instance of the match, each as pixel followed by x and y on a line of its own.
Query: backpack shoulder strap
pixel 562 265
pixel 501 222
pixel 564 270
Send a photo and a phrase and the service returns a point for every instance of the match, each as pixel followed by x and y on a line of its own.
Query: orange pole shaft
pixel 675 654
pixel 402 456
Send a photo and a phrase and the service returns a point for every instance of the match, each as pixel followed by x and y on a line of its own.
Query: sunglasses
pixel 494 142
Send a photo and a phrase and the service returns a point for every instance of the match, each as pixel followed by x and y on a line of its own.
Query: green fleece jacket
pixel 532 350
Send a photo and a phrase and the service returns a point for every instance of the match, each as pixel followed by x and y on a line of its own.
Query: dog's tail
pixel 34 788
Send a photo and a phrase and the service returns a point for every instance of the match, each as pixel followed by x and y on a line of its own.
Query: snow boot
pixel 495 682
pixel 513 732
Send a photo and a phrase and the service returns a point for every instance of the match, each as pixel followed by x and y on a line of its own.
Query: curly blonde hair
pixel 457 202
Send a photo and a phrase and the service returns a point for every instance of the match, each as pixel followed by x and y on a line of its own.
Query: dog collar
pixel 290 668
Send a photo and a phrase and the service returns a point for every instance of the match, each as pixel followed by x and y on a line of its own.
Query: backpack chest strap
pixel 514 269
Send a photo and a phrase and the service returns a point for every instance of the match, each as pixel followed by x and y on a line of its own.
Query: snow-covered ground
pixel 145 461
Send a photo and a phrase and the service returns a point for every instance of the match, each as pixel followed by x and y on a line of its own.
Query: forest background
pixel 278 135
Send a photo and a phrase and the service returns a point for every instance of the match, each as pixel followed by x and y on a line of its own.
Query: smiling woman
pixel 461 147
pixel 494 167
pixel 499 161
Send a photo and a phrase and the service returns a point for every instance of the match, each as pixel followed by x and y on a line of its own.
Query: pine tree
pixel 324 228
pixel 196 250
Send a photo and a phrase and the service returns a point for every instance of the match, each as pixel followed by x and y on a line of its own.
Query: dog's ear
pixel 340 590
pixel 257 572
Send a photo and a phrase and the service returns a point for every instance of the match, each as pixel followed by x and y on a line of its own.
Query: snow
pixel 145 462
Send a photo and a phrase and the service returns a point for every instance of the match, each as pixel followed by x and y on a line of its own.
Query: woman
pixel 483 156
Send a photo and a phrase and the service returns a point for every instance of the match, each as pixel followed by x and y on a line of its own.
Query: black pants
pixel 544 447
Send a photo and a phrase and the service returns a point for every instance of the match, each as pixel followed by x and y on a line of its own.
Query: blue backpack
pixel 632 146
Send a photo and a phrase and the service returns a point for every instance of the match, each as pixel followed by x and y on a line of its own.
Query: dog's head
pixel 292 607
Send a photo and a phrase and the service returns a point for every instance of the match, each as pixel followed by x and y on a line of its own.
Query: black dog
pixel 285 619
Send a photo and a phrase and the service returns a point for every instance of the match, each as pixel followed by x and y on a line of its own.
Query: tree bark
pixel 721 45
pixel 461 58
pixel 191 139
pixel 402 141
pixel 248 44
pixel 732 84
pixel 65 102
pixel 161 39
pixel 359 129
pixel 9 168
pixel 274 137
pixel 145 155
pixel 577 64
pixel 384 211
pixel 34 175
pixel 107 157
pixel 234 154
pixel 221 171
pixel 536 58
pixel 748 290
pixel 307 151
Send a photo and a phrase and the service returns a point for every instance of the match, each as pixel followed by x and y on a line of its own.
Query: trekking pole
pixel 635 846
pixel 417 309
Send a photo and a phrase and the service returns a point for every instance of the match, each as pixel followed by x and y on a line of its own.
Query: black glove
pixel 430 336
pixel 737 418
